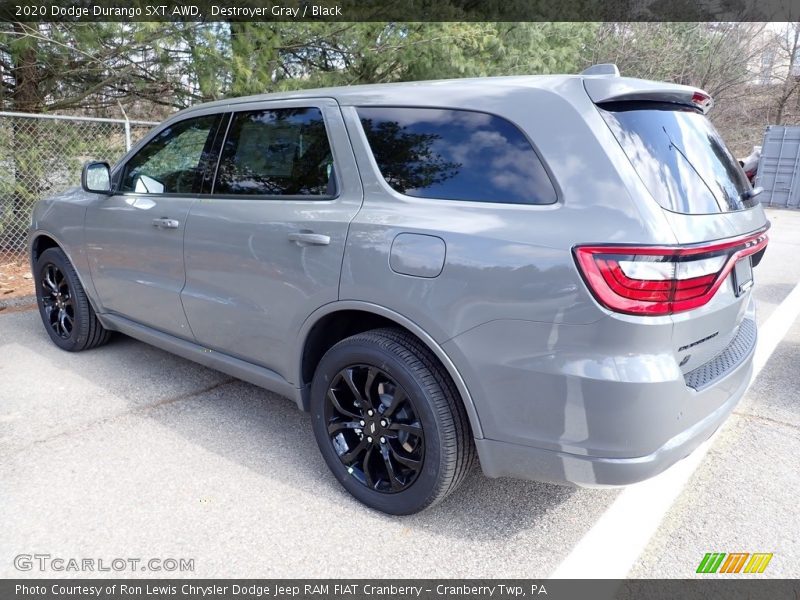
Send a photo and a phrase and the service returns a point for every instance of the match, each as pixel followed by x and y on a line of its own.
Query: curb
pixel 20 302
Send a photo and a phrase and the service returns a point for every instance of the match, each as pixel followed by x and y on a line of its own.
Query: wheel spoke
pixel 349 377
pixel 369 386
pixel 52 316
pixel 62 321
pixel 365 468
pixel 67 320
pixel 412 463
pixel 337 426
pixel 338 406
pixel 49 281
pixel 412 428
pixel 398 398
pixel 394 481
pixel 60 280
pixel 351 455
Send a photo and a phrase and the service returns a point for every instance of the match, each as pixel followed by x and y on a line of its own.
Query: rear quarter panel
pixel 503 261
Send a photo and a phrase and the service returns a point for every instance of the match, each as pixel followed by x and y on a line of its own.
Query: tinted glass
pixel 282 152
pixel 679 155
pixel 173 162
pixel 455 155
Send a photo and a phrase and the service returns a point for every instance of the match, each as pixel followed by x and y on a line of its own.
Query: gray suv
pixel 552 274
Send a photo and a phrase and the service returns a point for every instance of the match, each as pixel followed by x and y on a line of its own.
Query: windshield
pixel 679 155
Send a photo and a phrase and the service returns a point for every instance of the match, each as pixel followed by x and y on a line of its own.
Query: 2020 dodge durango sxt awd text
pixel 552 273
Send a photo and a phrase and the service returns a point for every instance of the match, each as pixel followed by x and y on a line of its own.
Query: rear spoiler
pixel 605 88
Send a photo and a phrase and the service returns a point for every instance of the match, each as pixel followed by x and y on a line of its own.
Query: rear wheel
pixel 66 313
pixel 389 422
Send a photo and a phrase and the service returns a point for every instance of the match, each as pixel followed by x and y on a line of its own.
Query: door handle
pixel 309 238
pixel 165 223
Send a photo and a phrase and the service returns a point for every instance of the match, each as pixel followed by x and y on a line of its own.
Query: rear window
pixel 455 155
pixel 280 152
pixel 679 155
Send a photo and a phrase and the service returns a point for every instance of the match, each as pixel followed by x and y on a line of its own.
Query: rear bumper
pixel 601 412
pixel 503 459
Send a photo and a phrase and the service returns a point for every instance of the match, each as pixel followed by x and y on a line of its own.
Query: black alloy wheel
pixel 66 313
pixel 57 302
pixel 389 421
pixel 374 428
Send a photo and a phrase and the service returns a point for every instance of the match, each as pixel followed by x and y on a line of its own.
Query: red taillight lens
pixel 661 280
pixel 702 101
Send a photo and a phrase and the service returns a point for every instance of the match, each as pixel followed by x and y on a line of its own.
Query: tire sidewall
pixel 425 487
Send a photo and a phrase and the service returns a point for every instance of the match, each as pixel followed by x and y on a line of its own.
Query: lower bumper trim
pixel 737 351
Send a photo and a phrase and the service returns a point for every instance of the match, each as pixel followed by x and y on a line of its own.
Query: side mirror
pixel 96 178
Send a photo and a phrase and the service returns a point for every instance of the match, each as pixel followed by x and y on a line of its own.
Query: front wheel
pixel 66 313
pixel 389 422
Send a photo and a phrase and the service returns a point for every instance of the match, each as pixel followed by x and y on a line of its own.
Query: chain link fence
pixel 41 155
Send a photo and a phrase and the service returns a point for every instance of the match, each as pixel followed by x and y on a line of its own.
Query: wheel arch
pixel 41 240
pixel 338 320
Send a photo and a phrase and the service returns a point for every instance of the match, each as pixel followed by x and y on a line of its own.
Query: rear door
pixel 134 238
pixel 706 198
pixel 265 249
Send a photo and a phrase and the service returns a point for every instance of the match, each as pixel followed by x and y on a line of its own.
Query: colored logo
pixel 735 562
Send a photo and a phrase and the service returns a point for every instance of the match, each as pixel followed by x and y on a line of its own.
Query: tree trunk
pixel 26 74
pixel 790 83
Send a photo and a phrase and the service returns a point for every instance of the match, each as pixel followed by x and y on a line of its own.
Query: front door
pixel 265 249
pixel 134 238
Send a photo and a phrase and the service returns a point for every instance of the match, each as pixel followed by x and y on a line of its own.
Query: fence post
pixel 127 128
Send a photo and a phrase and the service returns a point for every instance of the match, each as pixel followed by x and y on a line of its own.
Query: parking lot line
pixel 614 543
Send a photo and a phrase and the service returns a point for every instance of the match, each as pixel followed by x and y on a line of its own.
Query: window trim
pixel 118 173
pixel 218 143
pixel 405 197
pixel 277 197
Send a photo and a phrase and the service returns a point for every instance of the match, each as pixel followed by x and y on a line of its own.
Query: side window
pixel 173 162
pixel 455 155
pixel 280 152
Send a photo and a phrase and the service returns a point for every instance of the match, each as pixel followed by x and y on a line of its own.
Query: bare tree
pixel 785 69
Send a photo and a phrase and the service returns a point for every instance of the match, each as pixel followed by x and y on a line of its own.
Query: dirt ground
pixel 15 277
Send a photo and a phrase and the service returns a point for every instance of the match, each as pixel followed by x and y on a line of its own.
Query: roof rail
pixel 609 69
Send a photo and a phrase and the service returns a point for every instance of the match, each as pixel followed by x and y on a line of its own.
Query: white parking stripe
pixel 612 546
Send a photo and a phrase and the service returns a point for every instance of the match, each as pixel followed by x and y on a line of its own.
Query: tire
pixel 398 438
pixel 67 316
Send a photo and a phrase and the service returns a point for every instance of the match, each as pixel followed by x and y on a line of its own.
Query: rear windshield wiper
pixel 686 158
pixel 751 193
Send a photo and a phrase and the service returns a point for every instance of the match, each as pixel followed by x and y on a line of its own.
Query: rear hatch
pixel 708 202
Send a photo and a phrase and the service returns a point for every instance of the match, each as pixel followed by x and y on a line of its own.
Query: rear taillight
pixel 661 280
